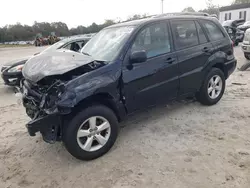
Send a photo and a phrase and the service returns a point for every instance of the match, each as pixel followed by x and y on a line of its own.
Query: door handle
pixel 170 60
pixel 207 50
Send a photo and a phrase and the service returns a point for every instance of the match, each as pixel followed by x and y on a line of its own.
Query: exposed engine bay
pixel 41 98
pixel 40 101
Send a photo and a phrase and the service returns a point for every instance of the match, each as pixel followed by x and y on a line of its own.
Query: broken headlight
pixel 17 68
pixel 51 97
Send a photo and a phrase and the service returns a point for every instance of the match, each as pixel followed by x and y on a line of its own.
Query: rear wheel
pixel 91 133
pixel 213 87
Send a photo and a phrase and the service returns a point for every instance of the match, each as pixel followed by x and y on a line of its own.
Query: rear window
pixel 214 32
pixel 185 34
pixel 201 34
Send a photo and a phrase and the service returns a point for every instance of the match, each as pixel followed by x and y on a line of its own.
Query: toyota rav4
pixel 79 98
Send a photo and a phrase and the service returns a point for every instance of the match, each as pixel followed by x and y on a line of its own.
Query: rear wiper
pixel 86 53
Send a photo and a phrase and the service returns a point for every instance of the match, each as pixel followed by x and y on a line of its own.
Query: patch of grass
pixel 14 45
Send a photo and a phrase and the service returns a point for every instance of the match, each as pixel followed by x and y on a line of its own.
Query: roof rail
pixel 183 14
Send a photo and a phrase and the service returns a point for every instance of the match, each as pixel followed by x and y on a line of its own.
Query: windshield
pixel 106 45
pixel 54 46
pixel 247 23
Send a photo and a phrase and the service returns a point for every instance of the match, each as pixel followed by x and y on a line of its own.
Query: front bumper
pixel 245 48
pixel 230 67
pixel 12 79
pixel 49 126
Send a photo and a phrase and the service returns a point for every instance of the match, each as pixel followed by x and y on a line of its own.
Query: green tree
pixel 211 8
pixel 137 16
pixel 241 1
pixel 188 9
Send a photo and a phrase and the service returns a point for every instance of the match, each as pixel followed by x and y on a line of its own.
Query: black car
pixel 233 23
pixel 12 71
pixel 231 26
pixel 79 98
pixel 235 34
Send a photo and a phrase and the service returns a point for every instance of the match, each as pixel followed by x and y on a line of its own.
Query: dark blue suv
pixel 79 98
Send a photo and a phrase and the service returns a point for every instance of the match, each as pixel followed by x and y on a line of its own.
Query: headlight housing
pixel 17 68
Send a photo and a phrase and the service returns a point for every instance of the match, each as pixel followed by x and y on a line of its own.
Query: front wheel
pixel 91 133
pixel 247 56
pixel 245 66
pixel 213 87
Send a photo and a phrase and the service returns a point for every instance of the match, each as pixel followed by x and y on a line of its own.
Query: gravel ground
pixel 180 145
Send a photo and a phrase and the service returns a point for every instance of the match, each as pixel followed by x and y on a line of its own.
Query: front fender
pixel 103 80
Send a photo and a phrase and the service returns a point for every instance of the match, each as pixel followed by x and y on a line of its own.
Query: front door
pixel 155 80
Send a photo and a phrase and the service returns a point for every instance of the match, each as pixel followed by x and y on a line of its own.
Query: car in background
pixel 231 26
pixel 11 72
pixel 245 26
pixel 235 34
pixel 246 44
pixel 233 23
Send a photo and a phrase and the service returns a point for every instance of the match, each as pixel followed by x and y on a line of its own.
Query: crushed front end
pixel 54 83
pixel 40 102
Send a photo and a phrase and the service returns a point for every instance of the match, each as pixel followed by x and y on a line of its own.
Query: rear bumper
pixel 230 67
pixel 48 126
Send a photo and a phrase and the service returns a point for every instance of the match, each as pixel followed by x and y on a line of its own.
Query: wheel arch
pixel 221 66
pixel 105 99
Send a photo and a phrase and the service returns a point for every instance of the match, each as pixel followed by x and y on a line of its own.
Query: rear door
pixel 155 80
pixel 193 50
pixel 217 37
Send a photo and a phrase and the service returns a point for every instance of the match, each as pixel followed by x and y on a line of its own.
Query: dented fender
pixel 103 80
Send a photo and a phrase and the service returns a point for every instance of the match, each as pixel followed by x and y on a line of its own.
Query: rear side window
pixel 185 33
pixel 201 34
pixel 154 39
pixel 214 32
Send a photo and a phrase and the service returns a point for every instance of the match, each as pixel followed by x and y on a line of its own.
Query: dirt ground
pixel 180 145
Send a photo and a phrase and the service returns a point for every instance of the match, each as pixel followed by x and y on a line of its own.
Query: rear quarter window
pixel 214 32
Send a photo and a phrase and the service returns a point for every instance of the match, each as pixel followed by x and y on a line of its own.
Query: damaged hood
pixel 11 63
pixel 55 63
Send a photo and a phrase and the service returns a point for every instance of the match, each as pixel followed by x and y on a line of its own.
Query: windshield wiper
pixel 85 53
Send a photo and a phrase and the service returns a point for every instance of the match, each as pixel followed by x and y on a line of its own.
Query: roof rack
pixel 184 14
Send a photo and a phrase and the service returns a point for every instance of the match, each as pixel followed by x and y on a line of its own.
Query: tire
pixel 204 96
pixel 245 66
pixel 75 145
pixel 247 56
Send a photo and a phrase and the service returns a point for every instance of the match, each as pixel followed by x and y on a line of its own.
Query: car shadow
pixel 7 89
pixel 152 114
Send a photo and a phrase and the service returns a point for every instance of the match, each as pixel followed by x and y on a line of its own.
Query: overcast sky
pixel 85 12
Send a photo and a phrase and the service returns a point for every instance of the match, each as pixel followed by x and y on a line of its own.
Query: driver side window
pixel 154 39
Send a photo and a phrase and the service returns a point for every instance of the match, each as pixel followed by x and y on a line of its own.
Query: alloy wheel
pixel 214 87
pixel 93 133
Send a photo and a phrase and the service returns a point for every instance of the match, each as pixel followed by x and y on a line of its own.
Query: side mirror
pixel 138 57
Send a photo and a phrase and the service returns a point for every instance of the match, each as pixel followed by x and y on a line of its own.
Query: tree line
pixel 19 32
